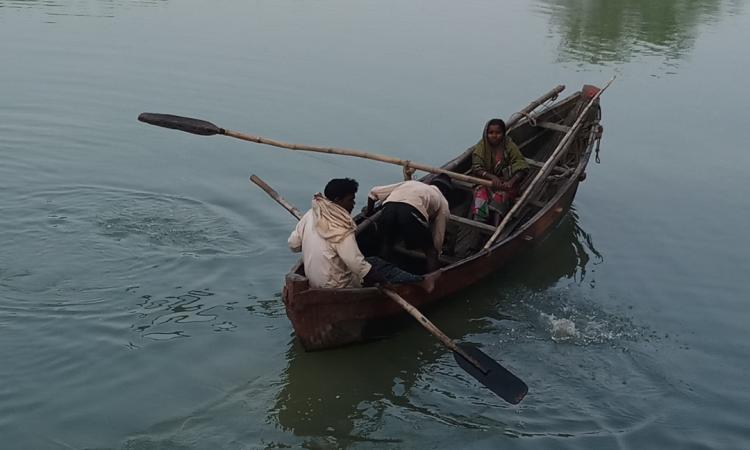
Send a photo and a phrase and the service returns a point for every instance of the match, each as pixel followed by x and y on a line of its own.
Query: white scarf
pixel 331 220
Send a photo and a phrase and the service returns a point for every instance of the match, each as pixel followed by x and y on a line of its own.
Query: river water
pixel 140 271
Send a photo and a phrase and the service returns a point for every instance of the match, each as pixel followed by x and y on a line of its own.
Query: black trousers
pixel 401 221
pixel 391 272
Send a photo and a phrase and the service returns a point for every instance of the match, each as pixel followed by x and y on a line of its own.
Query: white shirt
pixel 426 198
pixel 328 264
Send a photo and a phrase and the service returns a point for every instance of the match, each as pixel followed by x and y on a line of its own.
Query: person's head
pixel 341 191
pixel 495 132
pixel 442 182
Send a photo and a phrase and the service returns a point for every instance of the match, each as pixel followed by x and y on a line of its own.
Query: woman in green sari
pixel 496 158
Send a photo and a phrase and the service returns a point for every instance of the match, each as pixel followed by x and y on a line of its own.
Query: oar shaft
pixel 275 195
pixel 205 128
pixel 356 153
pixel 448 342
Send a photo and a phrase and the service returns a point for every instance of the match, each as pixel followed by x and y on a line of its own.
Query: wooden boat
pixel 557 141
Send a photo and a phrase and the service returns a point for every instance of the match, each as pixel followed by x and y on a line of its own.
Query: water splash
pixel 565 315
pixel 561 329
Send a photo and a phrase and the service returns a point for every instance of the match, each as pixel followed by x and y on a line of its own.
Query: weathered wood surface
pixel 324 318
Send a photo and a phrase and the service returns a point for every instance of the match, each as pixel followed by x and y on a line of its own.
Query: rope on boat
pixel 408 170
pixel 598 132
pixel 543 108
pixel 529 117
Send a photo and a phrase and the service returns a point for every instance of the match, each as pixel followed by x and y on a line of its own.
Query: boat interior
pixel 537 136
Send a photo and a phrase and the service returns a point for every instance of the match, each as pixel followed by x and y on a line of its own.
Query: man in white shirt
pixel 414 212
pixel 325 236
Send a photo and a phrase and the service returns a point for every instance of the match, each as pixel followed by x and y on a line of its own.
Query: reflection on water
pixel 542 294
pixel 167 317
pixel 324 400
pixel 90 8
pixel 341 398
pixel 545 295
pixel 606 31
pixel 324 397
pixel 566 254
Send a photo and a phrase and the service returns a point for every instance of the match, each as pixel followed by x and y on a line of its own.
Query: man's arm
pixel 352 257
pixel 439 223
pixel 370 206
pixel 373 277
pixel 295 239
pixel 379 193
pixel 382 192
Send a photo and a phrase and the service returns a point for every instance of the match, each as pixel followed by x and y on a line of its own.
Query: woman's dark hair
pixel 500 122
pixel 339 188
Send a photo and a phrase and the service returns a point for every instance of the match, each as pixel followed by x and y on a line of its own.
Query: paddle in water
pixel 476 363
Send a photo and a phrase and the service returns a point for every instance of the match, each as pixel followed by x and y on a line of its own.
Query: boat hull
pixel 326 318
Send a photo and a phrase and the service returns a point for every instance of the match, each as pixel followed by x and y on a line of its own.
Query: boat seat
pixel 472 223
pixel 531 162
pixel 553 126
pixel 444 259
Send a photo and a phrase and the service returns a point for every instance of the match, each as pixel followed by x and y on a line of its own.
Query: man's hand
pixel 368 210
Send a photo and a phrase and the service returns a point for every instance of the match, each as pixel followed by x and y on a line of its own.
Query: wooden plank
pixel 531 162
pixel 416 254
pixel 553 126
pixel 472 223
pixel 539 165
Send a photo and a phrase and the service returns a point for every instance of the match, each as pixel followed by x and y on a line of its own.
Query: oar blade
pixel 498 379
pixel 188 124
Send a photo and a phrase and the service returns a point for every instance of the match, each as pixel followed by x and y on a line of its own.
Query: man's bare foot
pixel 428 282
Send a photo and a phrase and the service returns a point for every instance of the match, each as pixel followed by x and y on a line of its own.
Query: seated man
pixel 496 158
pixel 325 235
pixel 414 212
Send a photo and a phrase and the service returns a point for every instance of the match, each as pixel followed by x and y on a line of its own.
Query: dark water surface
pixel 140 272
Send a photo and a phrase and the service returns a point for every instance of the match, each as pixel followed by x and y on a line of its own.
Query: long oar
pixel 204 128
pixel 475 362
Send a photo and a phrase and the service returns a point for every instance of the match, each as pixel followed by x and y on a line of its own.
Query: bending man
pixel 414 212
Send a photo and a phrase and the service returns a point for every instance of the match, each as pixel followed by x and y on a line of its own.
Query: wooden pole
pixel 425 322
pixel 358 154
pixel 205 128
pixel 546 168
pixel 275 195
pixel 515 117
